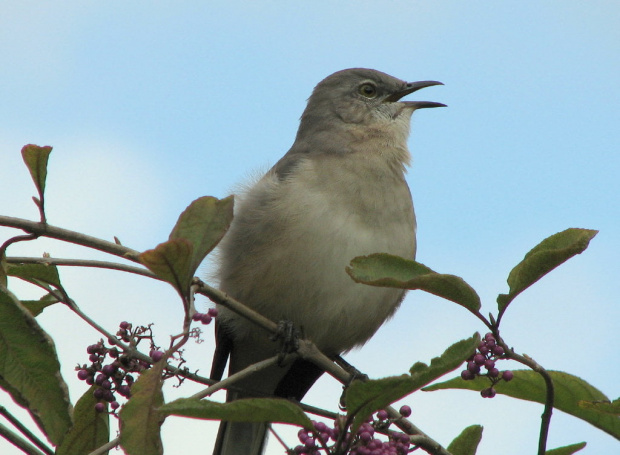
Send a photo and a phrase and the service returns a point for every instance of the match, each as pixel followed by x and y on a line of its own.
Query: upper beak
pixel 412 87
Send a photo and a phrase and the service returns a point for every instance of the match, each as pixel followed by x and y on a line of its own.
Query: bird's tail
pixel 241 438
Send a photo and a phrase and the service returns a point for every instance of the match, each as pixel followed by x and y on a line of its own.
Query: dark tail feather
pixel 244 438
pixel 298 380
pixel 241 438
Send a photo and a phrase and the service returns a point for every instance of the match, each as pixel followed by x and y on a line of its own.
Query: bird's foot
pixel 355 375
pixel 288 336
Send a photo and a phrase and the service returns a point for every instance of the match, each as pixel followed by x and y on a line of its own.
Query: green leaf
pixel 529 385
pixel 36 307
pixel 140 419
pixel 42 275
pixel 365 397
pixel 542 259
pixel 451 359
pixel 566 450
pixel 608 407
pixel 36 159
pixel 29 369
pixel 204 222
pixel 467 442
pixel 4 266
pixel 386 270
pixel 91 429
pixel 171 262
pixel 255 410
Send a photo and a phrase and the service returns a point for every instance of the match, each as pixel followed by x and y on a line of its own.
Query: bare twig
pixel 82 263
pixel 277 436
pixel 429 445
pixel 106 447
pixel 18 441
pixel 550 392
pixel 25 431
pixel 249 371
pixel 12 240
pixel 46 230
pixel 224 299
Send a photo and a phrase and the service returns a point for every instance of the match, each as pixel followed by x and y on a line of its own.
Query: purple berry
pixel 108 370
pixel 124 390
pixel 310 442
pixel 382 414
pixel 98 393
pixel 507 375
pixel 488 393
pixel 484 349
pixel 108 396
pixel 156 355
pixel 93 357
pixel 82 375
pixel 365 437
pixel 106 384
pixel 196 317
pixel 90 380
pixel 498 350
pixel 493 373
pixel 467 375
pixel 471 366
pixel 114 405
pixel 206 319
pixel 124 325
pixel 302 435
pixel 100 378
pixel 479 359
pixel 489 336
pixel 488 364
pixel 100 407
pixel 405 411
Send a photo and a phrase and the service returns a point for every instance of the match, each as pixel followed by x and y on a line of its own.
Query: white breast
pixel 298 235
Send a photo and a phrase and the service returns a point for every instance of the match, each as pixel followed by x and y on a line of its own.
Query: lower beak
pixel 410 88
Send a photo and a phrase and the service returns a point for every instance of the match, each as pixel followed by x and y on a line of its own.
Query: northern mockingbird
pixel 338 193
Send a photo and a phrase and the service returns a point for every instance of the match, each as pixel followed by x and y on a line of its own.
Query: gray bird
pixel 338 193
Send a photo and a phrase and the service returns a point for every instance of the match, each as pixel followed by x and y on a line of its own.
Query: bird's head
pixel 364 103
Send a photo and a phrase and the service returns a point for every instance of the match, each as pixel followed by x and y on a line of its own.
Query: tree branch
pixel 47 230
pixel 18 442
pixel 25 431
pixel 82 263
pixel 550 396
pixel 106 447
pixel 249 371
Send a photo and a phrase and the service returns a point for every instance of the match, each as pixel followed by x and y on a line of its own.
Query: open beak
pixel 410 88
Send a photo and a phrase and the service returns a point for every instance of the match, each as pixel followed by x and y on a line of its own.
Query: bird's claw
pixel 288 335
pixel 355 375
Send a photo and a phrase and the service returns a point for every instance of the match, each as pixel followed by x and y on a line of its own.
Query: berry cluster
pixel 363 442
pixel 113 376
pixel 205 318
pixel 487 354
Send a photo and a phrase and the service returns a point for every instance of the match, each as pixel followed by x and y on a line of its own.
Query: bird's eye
pixel 368 90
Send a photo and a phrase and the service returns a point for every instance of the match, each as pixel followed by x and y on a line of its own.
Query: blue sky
pixel 150 105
